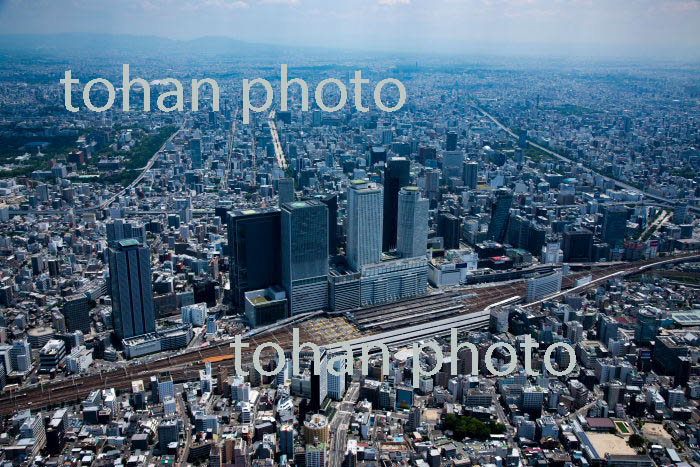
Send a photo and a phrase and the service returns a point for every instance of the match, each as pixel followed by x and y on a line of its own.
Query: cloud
pixel 394 2
pixel 281 2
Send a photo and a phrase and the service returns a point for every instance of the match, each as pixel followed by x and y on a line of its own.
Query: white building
pixel 542 287
pixel 412 226
pixel 453 268
pixel 364 223
pixel 195 314
pixel 79 359
pixel 336 383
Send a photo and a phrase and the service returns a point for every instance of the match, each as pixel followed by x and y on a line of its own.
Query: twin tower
pixel 290 246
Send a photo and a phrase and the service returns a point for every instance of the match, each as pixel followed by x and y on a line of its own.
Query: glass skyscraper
pixel 499 215
pixel 254 243
pixel 133 312
pixel 305 255
pixel 396 176
pixel 615 226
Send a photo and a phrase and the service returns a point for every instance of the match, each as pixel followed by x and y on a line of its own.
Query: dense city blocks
pixel 381 242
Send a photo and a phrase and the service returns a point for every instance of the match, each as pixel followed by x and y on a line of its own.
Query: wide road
pixel 186 366
pixel 566 159
pixel 340 423
pixel 279 153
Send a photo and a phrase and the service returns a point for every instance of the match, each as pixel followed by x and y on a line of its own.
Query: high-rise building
pixel 285 190
pixel 118 229
pixel 331 201
pixel 396 176
pixel 577 245
pixel 76 311
pixel 680 213
pixel 412 235
pixel 305 255
pixel 364 228
pixel 449 227
pixel 21 356
pixel 432 184
pixel 470 174
pixel 518 231
pixel 316 429
pixel 286 434
pixel 452 164
pixel 254 245
pixel 451 141
pixel 196 152
pixel 647 328
pixel 615 226
pixel 499 215
pixel 133 312
pixel 168 432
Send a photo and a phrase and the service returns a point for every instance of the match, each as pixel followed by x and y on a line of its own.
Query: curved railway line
pixel 392 321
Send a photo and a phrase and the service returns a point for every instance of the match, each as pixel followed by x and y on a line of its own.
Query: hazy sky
pixel 610 27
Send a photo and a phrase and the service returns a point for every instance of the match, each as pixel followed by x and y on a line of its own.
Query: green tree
pixel 636 441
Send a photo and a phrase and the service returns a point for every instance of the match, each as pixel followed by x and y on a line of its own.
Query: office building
pixel 453 164
pixel 577 246
pixel 449 227
pixel 76 312
pixel 304 271
pixel 331 201
pixel 21 356
pixel 52 355
pixel 451 141
pixel 364 223
pixel 412 232
pixel 615 226
pixel 168 432
pixel 265 306
pixel 499 215
pixel 285 190
pixel 254 246
pixel 119 229
pixel 196 153
pixel 132 291
pixel 542 287
pixel 396 176
pixel 470 174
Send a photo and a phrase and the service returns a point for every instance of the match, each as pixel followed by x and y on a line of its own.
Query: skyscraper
pixel 305 255
pixel 196 152
pixel 118 229
pixel 396 176
pixel 449 228
pixel 499 215
pixel 132 291
pixel 364 229
pixel 471 174
pixel 254 243
pixel 577 245
pixel 331 201
pixel 615 226
pixel 412 236
pixel 452 164
pixel 451 141
pixel 77 313
pixel 285 190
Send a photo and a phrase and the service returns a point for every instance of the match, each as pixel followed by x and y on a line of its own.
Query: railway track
pixel 187 365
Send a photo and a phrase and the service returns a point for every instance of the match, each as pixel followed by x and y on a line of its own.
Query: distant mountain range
pixel 123 44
